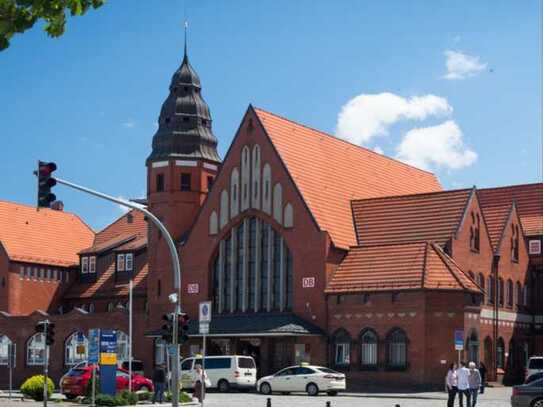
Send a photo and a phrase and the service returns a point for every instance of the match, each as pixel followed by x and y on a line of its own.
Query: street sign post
pixel 459 342
pixel 203 321
pixel 11 363
pixel 93 357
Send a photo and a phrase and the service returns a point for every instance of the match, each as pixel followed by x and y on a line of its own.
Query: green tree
pixel 17 16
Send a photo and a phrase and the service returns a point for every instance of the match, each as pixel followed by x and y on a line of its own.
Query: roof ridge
pixel 416 242
pixel 512 186
pixel 343 140
pixel 389 197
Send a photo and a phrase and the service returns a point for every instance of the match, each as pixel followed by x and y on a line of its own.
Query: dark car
pixel 528 395
pixel 534 377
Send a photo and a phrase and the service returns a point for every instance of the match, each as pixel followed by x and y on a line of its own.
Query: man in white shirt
pixel 463 384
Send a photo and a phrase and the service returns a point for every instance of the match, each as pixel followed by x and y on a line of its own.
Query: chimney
pixel 57 206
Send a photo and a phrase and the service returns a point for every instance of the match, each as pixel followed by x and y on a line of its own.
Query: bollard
pixel 397 405
pixel 268 402
pixel 328 404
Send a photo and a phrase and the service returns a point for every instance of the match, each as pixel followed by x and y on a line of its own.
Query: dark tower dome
pixel 184 125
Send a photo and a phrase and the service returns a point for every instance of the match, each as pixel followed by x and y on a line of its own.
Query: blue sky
pixel 90 99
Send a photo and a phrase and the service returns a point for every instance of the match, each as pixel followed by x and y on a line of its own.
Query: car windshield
pixel 76 372
pixel 536 363
pixel 326 370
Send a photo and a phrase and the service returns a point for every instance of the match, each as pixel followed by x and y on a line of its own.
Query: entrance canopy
pixel 255 325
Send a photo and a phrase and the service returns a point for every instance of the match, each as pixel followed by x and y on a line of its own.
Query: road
pixel 494 397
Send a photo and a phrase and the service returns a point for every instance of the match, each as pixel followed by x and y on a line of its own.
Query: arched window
pixel 368 348
pixel 342 348
pixel 481 281
pixel 473 347
pixel 5 343
pixel 223 213
pixel 525 293
pixel 253 270
pixel 161 348
pixel 519 294
pixel 266 189
pixel 397 349
pixel 510 292
pixel 245 178
pixel 500 292
pixel 278 202
pixel 500 354
pixel 255 200
pixel 91 307
pixel 488 352
pixel 234 193
pixel 35 350
pixel 122 346
pixel 75 348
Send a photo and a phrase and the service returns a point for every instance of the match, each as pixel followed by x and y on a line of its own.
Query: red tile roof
pixel 45 236
pixel 329 172
pixel 528 199
pixel 410 218
pixel 410 266
pixel 132 223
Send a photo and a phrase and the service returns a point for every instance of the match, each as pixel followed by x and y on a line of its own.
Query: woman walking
pixel 451 384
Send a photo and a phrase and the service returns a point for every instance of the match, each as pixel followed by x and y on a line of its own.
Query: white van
pixel 224 372
pixel 535 365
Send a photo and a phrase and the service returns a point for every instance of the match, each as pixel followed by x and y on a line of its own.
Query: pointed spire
pixel 186 26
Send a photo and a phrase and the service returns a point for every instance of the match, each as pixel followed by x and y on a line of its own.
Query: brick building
pixel 311 249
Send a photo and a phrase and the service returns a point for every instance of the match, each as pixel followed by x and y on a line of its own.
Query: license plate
pixel 248 374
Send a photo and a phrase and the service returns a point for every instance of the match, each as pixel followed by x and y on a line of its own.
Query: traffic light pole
pixel 176 269
pixel 45 363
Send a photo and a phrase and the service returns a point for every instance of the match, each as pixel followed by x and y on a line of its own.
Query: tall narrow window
pixel 129 261
pixel 227 274
pixel 264 268
pixel 84 265
pixel 239 289
pixel 75 349
pixel 500 354
pixel 514 242
pixel 491 289
pixel 276 272
pixel 500 292
pixel 481 281
pixel 289 282
pixel 342 348
pixel 216 285
pixel 159 182
pixel 477 239
pixel 120 262
pixel 368 349
pixel 397 349
pixel 5 343
pixel 252 266
pixel 209 182
pixel 35 350
pixel 185 182
pixel 509 293
pixel 92 264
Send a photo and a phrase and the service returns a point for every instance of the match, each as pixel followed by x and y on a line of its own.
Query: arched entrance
pixel 473 346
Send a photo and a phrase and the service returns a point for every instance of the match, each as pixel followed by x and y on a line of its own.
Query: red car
pixel 75 382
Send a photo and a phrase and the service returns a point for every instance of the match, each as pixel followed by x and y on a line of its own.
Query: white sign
pixel 204 328
pixel 193 288
pixel 308 282
pixel 205 312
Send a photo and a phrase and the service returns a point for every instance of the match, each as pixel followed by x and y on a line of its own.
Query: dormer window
pixel 92 264
pixel 129 261
pixel 120 262
pixel 84 265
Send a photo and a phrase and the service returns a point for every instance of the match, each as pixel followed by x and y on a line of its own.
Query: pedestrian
pixel 474 383
pixel 463 384
pixel 159 381
pixel 199 385
pixel 482 372
pixel 451 384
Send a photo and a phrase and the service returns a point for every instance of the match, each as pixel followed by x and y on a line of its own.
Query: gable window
pixel 120 262
pixel 185 182
pixel 159 182
pixel 129 261
pixel 474 234
pixel 84 265
pixel 35 350
pixel 92 264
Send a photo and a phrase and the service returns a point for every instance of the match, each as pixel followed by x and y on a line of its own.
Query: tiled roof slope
pixel 329 172
pixel 410 266
pixel 528 199
pixel 123 226
pixel 45 236
pixel 410 218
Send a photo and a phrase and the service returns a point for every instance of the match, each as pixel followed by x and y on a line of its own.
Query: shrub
pixel 130 398
pixel 109 401
pixel 184 397
pixel 33 387
pixel 144 395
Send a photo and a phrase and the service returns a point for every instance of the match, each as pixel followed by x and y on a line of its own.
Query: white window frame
pixel 120 262
pixel 92 264
pixel 84 265
pixel 342 353
pixel 35 350
pixel 534 246
pixel 129 260
pixel 5 342
pixel 71 357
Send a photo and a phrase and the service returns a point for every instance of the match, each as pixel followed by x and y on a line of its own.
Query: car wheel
pixel 223 386
pixel 312 389
pixel 265 388
pixel 537 403
pixel 144 388
pixel 332 393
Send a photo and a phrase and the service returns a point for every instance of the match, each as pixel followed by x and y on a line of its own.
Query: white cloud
pixel 129 124
pixel 378 150
pixel 462 66
pixel 367 116
pixel 440 146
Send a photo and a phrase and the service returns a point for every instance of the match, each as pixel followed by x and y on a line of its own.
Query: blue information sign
pixel 94 345
pixel 108 361
pixel 459 339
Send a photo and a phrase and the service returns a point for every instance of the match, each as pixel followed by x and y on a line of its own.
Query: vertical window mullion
pixel 233 268
pixel 246 254
pixel 220 306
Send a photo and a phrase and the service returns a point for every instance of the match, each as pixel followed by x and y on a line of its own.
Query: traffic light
pixel 167 328
pixel 45 183
pixel 183 328
pixel 48 329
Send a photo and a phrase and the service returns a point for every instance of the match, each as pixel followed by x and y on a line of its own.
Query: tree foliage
pixel 17 16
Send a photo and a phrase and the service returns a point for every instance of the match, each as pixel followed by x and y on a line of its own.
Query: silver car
pixel 528 395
